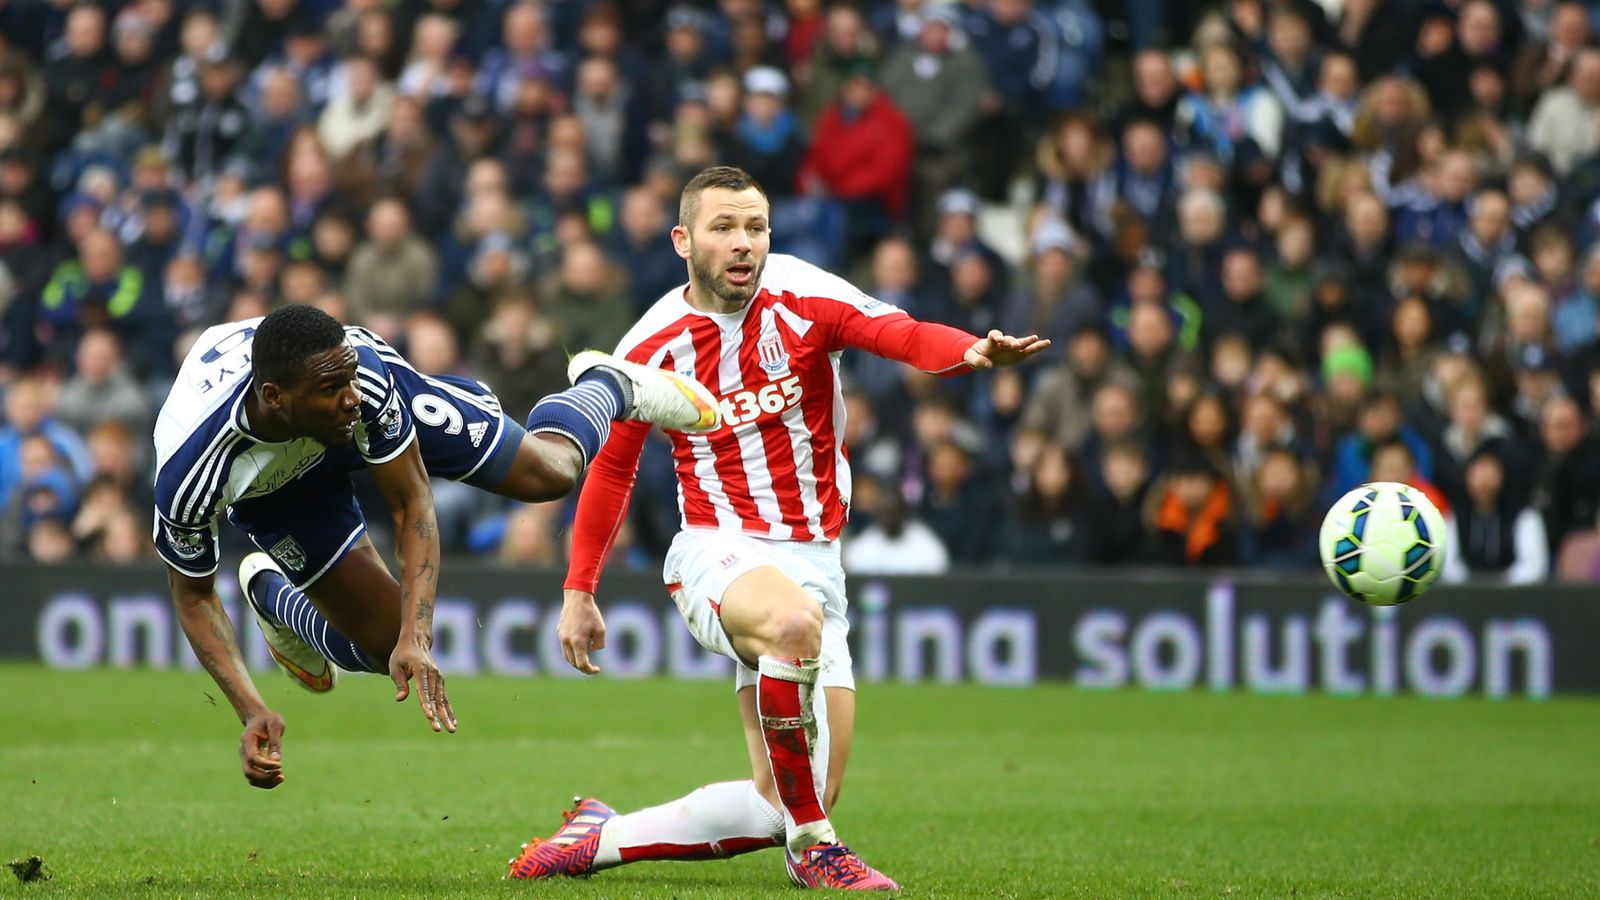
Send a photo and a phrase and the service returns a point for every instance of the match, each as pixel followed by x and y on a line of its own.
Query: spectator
pixel 518 352
pixel 961 504
pixel 1565 475
pixel 1120 535
pixel 939 83
pixel 1279 525
pixel 1246 311
pixel 206 130
pixel 1394 461
pixel 896 543
pixel 639 249
pixel 1378 422
pixel 587 298
pixel 96 289
pixel 1056 300
pixel 1492 532
pixel 1473 426
pixel 1565 125
pixel 845 40
pixel 358 112
pixel 861 151
pixel 1191 519
pixel 101 390
pixel 393 272
pixel 1049 521
pixel 768 141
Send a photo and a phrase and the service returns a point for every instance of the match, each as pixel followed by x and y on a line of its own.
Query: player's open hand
pixel 260 750
pixel 581 629
pixel 998 350
pixel 411 659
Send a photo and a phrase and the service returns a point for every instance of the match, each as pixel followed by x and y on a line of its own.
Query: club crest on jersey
pixel 389 419
pixel 186 544
pixel 770 349
pixel 288 554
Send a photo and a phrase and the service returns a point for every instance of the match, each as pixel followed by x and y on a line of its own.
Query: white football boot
pixel 298 659
pixel 659 396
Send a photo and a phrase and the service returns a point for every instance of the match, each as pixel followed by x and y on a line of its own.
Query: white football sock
pixel 718 820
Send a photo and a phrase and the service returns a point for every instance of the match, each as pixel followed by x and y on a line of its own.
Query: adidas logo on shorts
pixel 476 431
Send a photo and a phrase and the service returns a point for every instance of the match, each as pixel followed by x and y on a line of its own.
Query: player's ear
pixel 271 395
pixel 680 241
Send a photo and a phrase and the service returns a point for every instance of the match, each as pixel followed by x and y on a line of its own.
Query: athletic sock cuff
pixel 800 671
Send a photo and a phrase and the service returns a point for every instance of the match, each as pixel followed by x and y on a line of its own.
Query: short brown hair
pixel 727 177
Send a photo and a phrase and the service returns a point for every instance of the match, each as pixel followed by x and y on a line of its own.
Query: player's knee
pixel 547 485
pixel 796 630
pixel 546 468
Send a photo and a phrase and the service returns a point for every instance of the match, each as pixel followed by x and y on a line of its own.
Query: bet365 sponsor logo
pixel 773 399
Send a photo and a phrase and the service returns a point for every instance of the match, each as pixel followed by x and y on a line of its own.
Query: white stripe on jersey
pixel 752 450
pixel 196 474
pixel 480 401
pixel 794 419
pixel 211 475
pixel 841 464
pixel 705 458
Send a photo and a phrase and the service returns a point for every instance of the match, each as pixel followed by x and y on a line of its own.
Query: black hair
pixel 287 337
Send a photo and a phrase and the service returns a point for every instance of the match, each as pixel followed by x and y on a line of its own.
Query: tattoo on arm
pixel 424 529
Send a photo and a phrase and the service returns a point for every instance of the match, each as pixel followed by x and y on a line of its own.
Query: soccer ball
pixel 1383 543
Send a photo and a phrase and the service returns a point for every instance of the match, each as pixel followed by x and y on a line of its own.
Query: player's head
pixel 305 374
pixel 723 232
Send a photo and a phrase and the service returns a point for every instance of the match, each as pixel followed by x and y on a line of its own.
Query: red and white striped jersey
pixel 776 467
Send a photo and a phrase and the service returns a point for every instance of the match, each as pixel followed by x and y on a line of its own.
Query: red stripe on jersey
pixel 821 392
pixel 697 508
pixel 726 457
pixel 824 441
pixel 775 439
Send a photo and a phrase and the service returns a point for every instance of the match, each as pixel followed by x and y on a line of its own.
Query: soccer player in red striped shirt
pixel 755 570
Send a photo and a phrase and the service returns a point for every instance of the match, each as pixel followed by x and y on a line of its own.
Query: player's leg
pixel 604 389
pixel 349 615
pixel 313 536
pixel 805 739
pixel 544 458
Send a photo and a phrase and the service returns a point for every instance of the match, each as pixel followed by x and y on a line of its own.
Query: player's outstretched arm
pixel 210 633
pixel 997 350
pixel 403 481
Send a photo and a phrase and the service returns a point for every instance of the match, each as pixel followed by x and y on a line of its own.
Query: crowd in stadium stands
pixel 1282 247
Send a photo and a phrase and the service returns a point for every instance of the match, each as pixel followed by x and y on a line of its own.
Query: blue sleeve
pixel 190 550
pixel 386 428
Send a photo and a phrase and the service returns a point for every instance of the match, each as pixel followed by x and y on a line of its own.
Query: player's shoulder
pixel 667 314
pixel 213 374
pixel 790 279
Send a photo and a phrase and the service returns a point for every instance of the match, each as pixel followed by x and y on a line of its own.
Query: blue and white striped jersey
pixel 207 458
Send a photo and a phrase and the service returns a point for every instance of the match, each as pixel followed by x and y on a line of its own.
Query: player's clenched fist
pixel 260 750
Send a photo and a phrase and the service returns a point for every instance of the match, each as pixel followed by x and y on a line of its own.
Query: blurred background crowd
pixel 1282 247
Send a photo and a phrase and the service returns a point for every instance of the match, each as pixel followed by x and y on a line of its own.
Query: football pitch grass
pixel 128 784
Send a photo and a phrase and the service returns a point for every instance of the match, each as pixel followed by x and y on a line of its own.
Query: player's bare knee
pixel 796 630
pixel 547 468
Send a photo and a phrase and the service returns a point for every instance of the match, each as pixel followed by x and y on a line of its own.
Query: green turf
pixel 127 783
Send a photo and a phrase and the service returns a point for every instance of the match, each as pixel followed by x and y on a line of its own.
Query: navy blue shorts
pixel 308 525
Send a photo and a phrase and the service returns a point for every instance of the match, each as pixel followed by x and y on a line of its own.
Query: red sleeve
pixel 603 503
pixel 929 346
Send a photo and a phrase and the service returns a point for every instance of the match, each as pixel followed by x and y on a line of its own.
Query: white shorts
pixel 701 564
